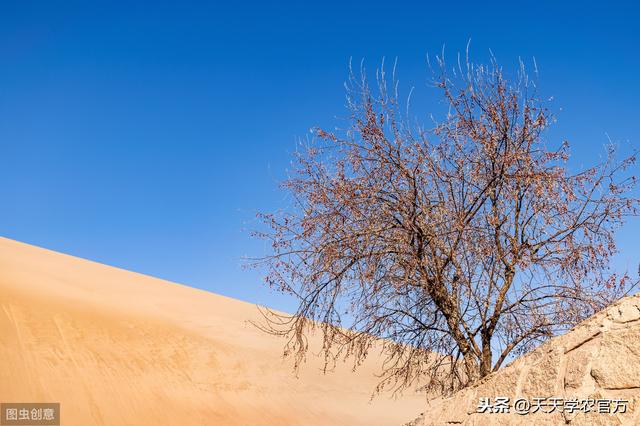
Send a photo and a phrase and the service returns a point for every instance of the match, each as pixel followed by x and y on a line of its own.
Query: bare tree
pixel 461 244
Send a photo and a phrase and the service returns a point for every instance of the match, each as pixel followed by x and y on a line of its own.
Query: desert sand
pixel 120 348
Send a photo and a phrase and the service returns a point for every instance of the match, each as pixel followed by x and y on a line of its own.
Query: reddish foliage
pixel 469 241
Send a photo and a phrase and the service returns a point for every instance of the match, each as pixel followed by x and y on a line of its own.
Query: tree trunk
pixel 486 361
pixel 471 368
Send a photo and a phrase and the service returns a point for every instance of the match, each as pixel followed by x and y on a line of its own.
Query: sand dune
pixel 120 348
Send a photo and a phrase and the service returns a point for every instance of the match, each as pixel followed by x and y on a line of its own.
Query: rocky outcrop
pixel 589 376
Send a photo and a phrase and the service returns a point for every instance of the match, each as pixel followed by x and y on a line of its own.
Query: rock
pixel 542 378
pixel 598 359
pixel 577 366
pixel 503 384
pixel 618 364
pixel 626 312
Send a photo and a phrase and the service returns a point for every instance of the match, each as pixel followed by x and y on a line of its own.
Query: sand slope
pixel 120 348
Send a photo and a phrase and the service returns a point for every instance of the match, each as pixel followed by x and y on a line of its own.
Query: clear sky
pixel 145 135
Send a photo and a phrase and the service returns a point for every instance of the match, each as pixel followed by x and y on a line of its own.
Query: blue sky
pixel 147 135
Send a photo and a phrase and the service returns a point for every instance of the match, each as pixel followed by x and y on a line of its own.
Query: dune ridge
pixel 120 348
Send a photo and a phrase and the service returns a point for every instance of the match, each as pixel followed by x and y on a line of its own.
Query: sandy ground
pixel 119 348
